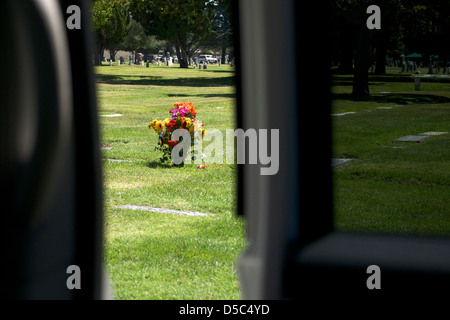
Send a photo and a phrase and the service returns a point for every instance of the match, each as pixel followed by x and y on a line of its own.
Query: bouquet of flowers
pixel 183 117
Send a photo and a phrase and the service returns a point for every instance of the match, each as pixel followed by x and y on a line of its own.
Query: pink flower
pixel 178 112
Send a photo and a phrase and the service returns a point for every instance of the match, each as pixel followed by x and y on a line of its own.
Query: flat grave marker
pixel 111 115
pixel 177 212
pixel 433 133
pixel 337 162
pixel 413 138
pixel 341 114
pixel 117 160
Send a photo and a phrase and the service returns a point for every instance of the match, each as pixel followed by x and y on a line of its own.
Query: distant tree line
pixel 407 26
pixel 148 26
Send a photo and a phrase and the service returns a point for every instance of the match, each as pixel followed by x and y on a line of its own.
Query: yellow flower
pixel 204 133
pixel 186 123
pixel 166 121
pixel 159 126
pixel 152 124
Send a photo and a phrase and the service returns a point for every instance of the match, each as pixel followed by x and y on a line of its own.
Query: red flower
pixel 172 124
pixel 172 143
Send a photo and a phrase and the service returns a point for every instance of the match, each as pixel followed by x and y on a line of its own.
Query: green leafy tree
pixel 425 28
pixel 110 19
pixel 221 37
pixel 182 22
pixel 389 36
pixel 138 41
pixel 357 44
pixel 354 12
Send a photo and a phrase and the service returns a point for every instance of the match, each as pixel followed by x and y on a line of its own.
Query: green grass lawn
pixel 393 187
pixel 388 187
pixel 153 255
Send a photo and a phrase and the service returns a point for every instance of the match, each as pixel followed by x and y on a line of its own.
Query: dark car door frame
pixel 294 250
pixel 52 215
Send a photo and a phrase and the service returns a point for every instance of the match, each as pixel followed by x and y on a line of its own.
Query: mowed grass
pixel 152 255
pixel 393 187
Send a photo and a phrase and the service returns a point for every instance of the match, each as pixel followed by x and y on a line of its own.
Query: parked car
pixel 208 58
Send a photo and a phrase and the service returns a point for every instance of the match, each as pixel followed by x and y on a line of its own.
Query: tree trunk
pixel 445 67
pixel 346 63
pixel 362 64
pixel 347 48
pixel 112 54
pixel 98 55
pixel 388 21
pixel 430 66
pixel 183 58
pixel 224 53
pixel 380 67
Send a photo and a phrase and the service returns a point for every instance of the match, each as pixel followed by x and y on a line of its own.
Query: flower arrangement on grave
pixel 183 117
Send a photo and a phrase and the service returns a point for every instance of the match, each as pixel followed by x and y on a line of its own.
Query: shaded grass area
pixel 161 81
pixel 397 98
pixel 166 76
pixel 394 187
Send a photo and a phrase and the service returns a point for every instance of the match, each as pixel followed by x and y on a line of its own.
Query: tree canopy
pixel 407 26
pixel 221 36
pixel 182 22
pixel 138 40
pixel 110 20
pixel 145 25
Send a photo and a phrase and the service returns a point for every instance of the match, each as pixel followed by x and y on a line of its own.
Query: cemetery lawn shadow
pixel 208 70
pixel 396 98
pixel 156 164
pixel 206 95
pixel 124 79
pixel 347 80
